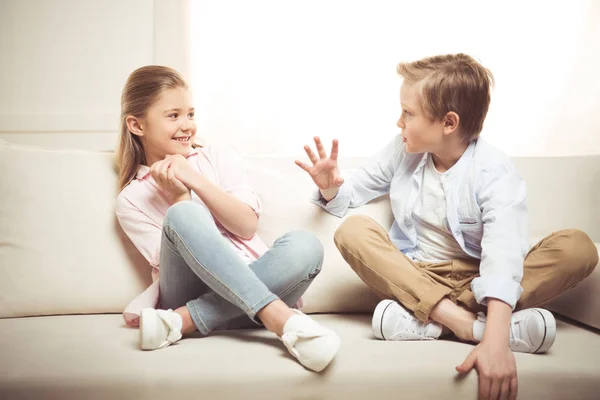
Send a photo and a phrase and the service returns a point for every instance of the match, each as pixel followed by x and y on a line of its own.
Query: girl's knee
pixel 306 245
pixel 185 211
pixel 189 218
pixel 306 252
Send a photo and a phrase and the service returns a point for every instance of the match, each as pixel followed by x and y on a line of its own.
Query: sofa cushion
pixel 61 250
pixel 95 357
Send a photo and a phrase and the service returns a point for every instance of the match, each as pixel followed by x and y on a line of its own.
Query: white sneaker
pixel 313 345
pixel 159 328
pixel 531 331
pixel 391 321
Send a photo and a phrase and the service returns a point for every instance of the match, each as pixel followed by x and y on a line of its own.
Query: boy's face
pixel 419 133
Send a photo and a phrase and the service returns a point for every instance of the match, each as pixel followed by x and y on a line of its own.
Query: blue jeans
pixel 200 269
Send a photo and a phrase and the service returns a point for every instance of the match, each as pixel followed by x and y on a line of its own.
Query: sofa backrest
pixel 62 251
pixel 562 193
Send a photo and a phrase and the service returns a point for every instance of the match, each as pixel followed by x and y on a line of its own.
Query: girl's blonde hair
pixel 142 89
pixel 452 82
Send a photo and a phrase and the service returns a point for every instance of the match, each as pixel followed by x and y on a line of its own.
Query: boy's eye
pixel 174 115
pixel 191 115
pixel 406 112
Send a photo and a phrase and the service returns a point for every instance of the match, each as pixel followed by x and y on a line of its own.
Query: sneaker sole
pixel 549 330
pixel 378 314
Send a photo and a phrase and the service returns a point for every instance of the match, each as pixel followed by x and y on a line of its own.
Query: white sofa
pixel 67 271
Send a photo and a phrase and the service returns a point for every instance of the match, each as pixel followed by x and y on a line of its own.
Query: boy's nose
pixel 400 124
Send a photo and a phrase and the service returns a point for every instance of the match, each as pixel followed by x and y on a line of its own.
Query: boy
pixel 456 258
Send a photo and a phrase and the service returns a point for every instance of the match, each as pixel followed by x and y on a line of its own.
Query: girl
pixel 191 211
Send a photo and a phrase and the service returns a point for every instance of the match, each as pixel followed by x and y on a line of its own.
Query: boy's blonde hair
pixel 452 82
pixel 142 89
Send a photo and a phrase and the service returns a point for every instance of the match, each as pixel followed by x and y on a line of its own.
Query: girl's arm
pixel 235 215
pixel 232 202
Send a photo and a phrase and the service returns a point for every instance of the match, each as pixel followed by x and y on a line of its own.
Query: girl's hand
pixel 182 169
pixel 164 175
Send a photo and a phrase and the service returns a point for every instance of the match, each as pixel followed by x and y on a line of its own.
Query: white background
pixel 269 75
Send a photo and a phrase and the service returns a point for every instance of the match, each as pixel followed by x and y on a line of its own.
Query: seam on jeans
pixel 227 288
pixel 293 287
pixel 262 301
pixel 195 313
pixel 168 240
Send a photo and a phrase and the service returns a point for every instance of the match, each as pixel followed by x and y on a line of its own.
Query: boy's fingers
pixel 310 154
pixel 513 388
pixel 334 150
pixel 320 148
pixel 302 165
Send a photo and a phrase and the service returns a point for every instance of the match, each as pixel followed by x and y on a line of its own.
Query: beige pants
pixel 555 264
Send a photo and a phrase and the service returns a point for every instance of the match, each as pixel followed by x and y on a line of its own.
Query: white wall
pixel 268 75
pixel 64 64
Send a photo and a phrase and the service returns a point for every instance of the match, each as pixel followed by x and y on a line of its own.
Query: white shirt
pixel 435 242
pixel 485 209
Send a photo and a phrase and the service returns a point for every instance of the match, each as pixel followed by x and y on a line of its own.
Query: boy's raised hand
pixel 324 170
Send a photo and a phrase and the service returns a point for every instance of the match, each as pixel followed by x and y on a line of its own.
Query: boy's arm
pixel 504 246
pixel 493 357
pixel 368 182
pixel 505 237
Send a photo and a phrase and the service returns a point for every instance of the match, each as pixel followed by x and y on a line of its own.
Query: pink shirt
pixel 141 208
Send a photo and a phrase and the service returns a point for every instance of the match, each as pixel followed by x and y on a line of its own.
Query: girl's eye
pixel 406 112
pixel 191 115
pixel 174 115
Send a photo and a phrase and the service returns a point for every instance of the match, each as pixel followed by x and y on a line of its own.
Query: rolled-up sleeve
pixel 504 243
pixel 140 229
pixel 233 178
pixel 368 182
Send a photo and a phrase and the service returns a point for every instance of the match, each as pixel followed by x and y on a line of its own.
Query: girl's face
pixel 168 126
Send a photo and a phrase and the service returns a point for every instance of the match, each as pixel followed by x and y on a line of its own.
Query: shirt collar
pixel 460 165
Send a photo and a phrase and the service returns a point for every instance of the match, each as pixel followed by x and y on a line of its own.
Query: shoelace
pixel 415 326
pixel 514 334
pixel 174 332
pixel 291 338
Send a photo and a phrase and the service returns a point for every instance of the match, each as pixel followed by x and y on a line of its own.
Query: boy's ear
pixel 451 122
pixel 134 125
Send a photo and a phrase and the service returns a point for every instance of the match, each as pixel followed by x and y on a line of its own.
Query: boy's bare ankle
pixel 465 332
pixel 456 318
